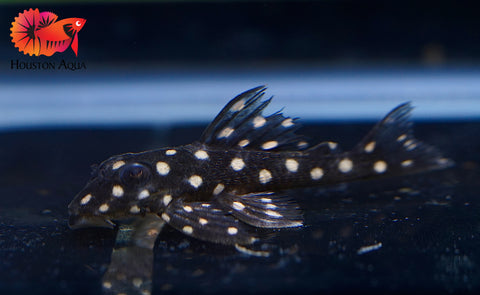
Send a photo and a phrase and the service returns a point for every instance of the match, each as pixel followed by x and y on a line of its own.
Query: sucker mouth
pixel 76 222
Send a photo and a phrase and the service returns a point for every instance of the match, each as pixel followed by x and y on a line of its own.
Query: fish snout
pixel 78 23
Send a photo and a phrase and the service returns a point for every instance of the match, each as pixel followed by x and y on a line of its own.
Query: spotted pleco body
pixel 229 182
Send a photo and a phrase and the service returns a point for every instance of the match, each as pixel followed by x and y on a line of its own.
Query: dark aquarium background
pixel 152 74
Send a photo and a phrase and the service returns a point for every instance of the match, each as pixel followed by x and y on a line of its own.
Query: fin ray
pixel 325 148
pixel 266 210
pixel 241 124
pixel 207 222
pixel 46 18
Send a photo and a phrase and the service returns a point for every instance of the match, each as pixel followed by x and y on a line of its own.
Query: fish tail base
pixel 391 149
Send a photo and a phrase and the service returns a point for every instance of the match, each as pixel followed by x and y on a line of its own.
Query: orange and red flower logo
pixel 39 33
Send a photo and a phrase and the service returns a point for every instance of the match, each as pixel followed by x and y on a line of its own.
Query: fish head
pixel 78 23
pixel 119 188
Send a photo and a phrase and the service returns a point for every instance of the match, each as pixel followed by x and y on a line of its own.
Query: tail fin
pixel 393 150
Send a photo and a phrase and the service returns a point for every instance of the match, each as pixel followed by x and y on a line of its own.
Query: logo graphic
pixel 39 33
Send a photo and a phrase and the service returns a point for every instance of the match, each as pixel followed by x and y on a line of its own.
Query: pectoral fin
pixel 267 210
pixel 207 222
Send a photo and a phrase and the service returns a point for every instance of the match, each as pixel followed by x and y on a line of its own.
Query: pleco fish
pixel 221 187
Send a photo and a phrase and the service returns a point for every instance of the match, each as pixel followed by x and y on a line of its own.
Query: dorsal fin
pixel 46 18
pixel 241 124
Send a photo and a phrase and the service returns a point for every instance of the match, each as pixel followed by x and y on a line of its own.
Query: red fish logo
pixel 38 33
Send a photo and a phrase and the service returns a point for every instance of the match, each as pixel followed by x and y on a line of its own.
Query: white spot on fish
pixel 287 123
pixel 117 165
pixel 206 205
pixel 271 206
pixel 165 217
pixel 292 165
pixel 237 164
pixel 107 285
pixel 163 168
pixel 85 199
pixel 273 213
pixel 401 137
pixel 366 249
pixel 238 206
pixel 238 106
pixel 232 230
pixel 259 121
pixel 243 142
pixel 187 229
pixel 369 147
pixel 117 191
pixel 201 155
pixel 265 200
pixel 226 132
pixel 411 147
pixel 167 199
pixel 264 176
pixel 316 173
pixel 103 208
pixel 302 144
pixel 143 194
pixel 137 282
pixel 218 189
pixel 332 145
pixel 443 161
pixel 188 209
pixel 195 181
pixel 170 152
pixel 380 166
pixel 407 163
pixel 345 165
pixel 134 209
pixel 202 221
pixel 270 145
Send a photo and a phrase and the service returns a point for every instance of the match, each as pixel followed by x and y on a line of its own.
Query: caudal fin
pixel 391 148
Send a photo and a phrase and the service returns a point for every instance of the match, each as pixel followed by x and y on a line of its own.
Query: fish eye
pixel 78 23
pixel 134 174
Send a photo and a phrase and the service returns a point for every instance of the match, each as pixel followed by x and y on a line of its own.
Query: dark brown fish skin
pixel 219 188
